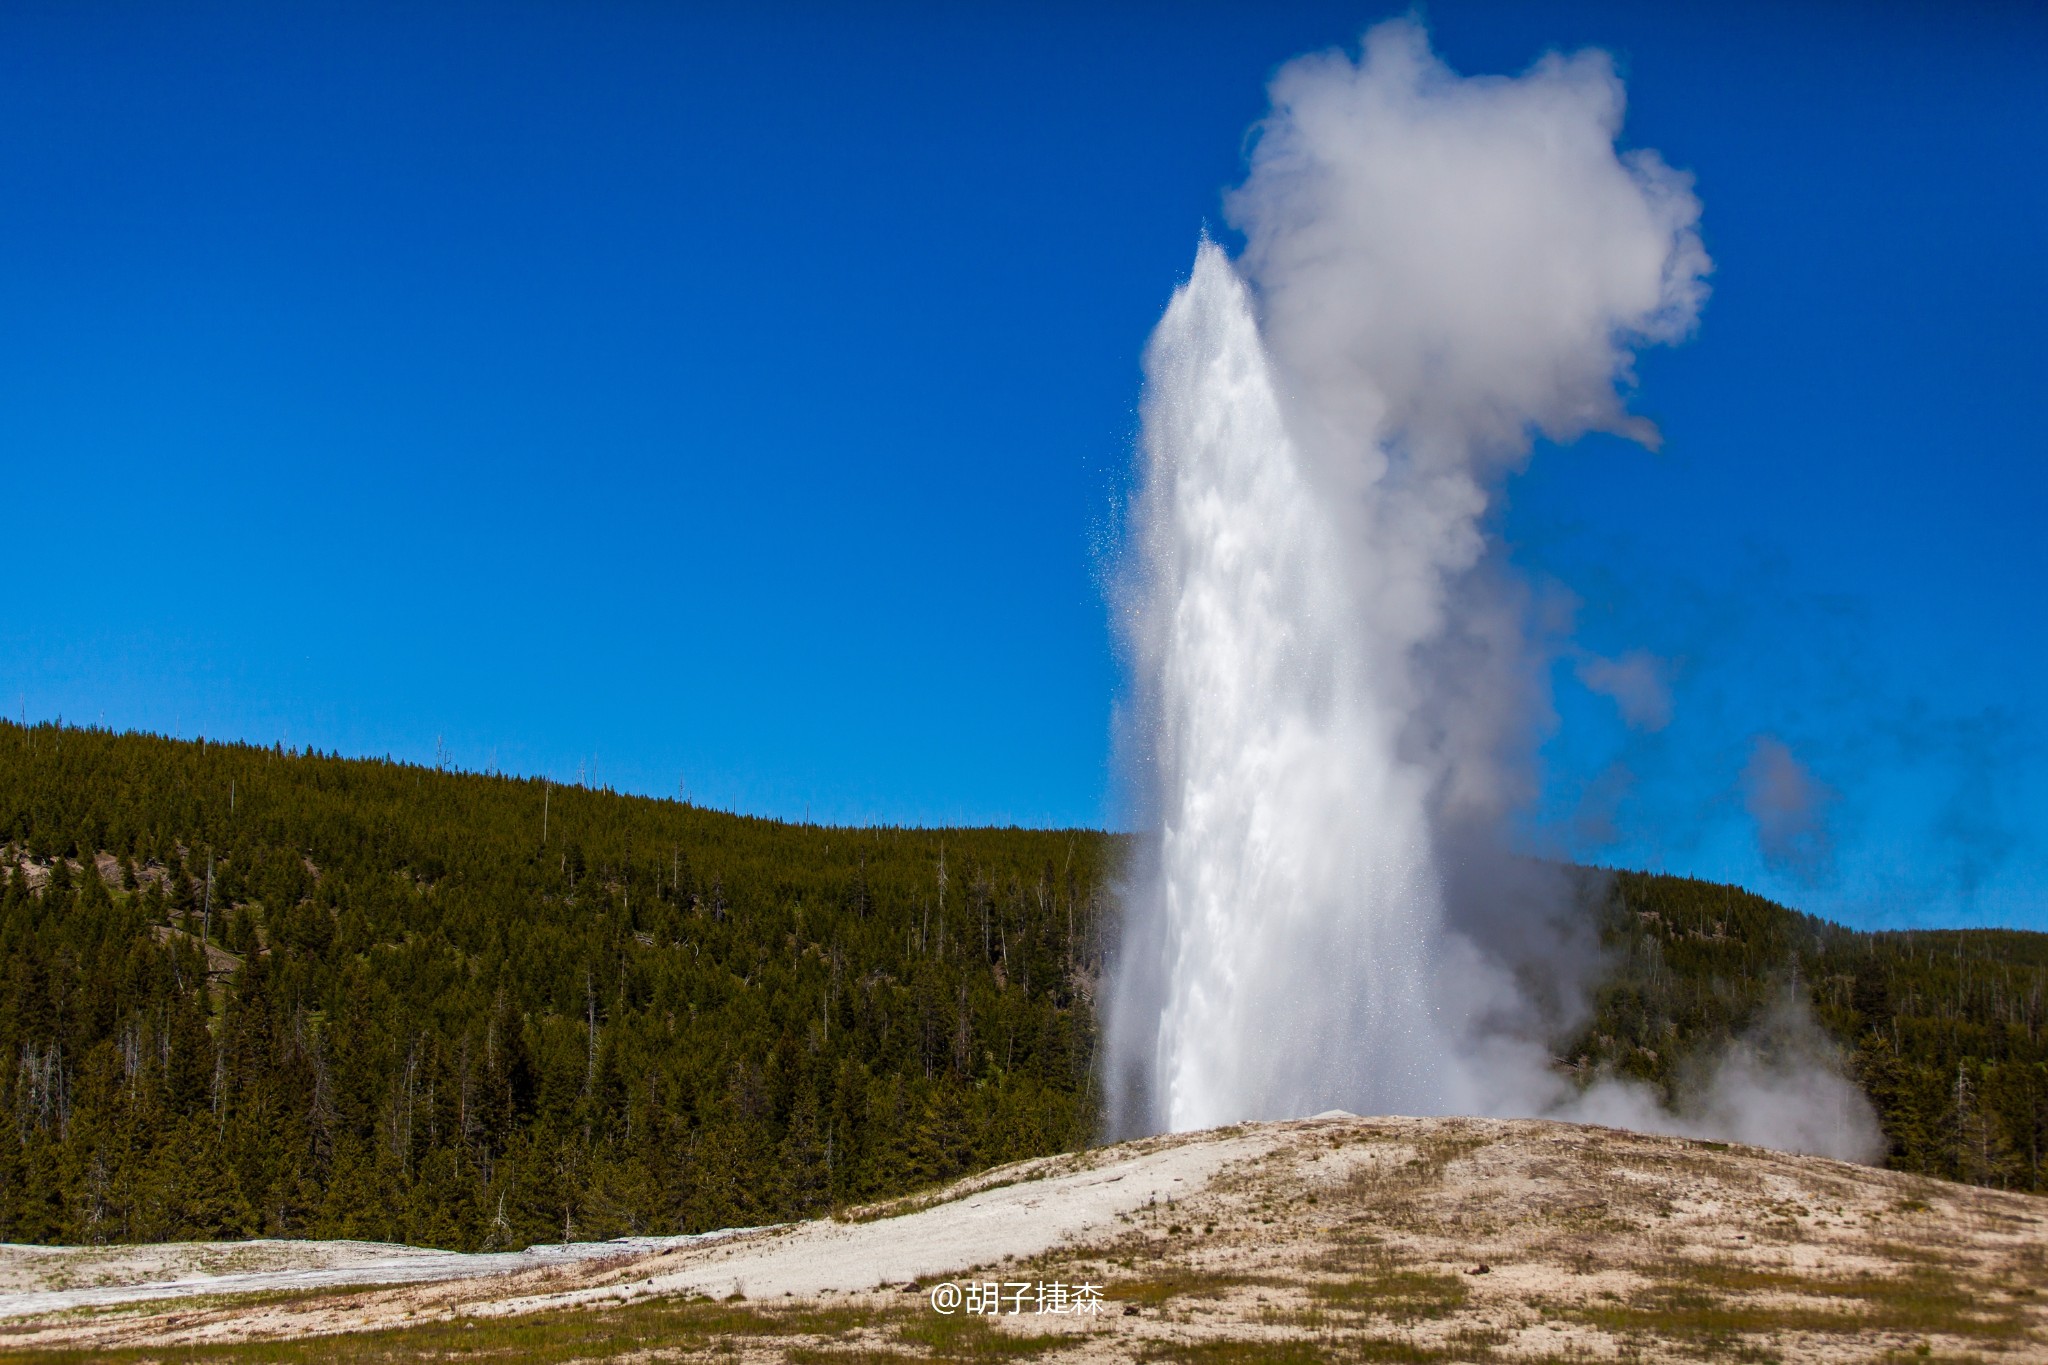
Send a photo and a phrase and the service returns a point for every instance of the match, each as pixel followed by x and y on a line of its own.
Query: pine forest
pixel 250 991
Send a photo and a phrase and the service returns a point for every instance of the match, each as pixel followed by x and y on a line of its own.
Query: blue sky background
pixel 737 404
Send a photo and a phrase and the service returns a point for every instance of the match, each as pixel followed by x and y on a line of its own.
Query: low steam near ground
pixel 1334 692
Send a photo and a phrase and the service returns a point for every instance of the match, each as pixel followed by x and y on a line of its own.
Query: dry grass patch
pixel 976 1339
pixel 656 1330
pixel 1186 1283
pixel 1714 1309
pixel 1401 1296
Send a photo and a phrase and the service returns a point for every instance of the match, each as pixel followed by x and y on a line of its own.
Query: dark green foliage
pixel 482 1012
pixel 400 1011
pixel 1947 1030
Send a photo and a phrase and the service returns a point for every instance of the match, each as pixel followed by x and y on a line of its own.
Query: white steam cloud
pixel 1635 682
pixel 1788 804
pixel 1333 695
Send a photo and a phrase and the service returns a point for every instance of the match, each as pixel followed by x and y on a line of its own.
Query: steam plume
pixel 1332 693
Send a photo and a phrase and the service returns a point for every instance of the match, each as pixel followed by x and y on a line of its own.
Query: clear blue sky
pixel 741 402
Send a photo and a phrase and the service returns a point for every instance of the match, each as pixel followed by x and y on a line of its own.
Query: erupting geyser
pixel 1332 698
pixel 1294 887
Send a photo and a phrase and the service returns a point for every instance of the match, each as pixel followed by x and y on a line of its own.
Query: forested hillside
pixel 1947 1030
pixel 473 1011
pixel 255 992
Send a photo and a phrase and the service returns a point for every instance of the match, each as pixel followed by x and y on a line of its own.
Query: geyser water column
pixel 1293 862
pixel 1328 681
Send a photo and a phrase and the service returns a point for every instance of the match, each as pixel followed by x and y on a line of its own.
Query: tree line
pixel 254 991
pixel 1945 1030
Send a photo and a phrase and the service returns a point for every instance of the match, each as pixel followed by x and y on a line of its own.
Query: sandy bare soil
pixel 1334 1238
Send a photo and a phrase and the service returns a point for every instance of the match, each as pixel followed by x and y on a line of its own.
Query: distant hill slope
pixel 1946 1030
pixel 473 1011
pixel 481 1012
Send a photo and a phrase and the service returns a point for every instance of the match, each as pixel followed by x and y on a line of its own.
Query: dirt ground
pixel 1327 1239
